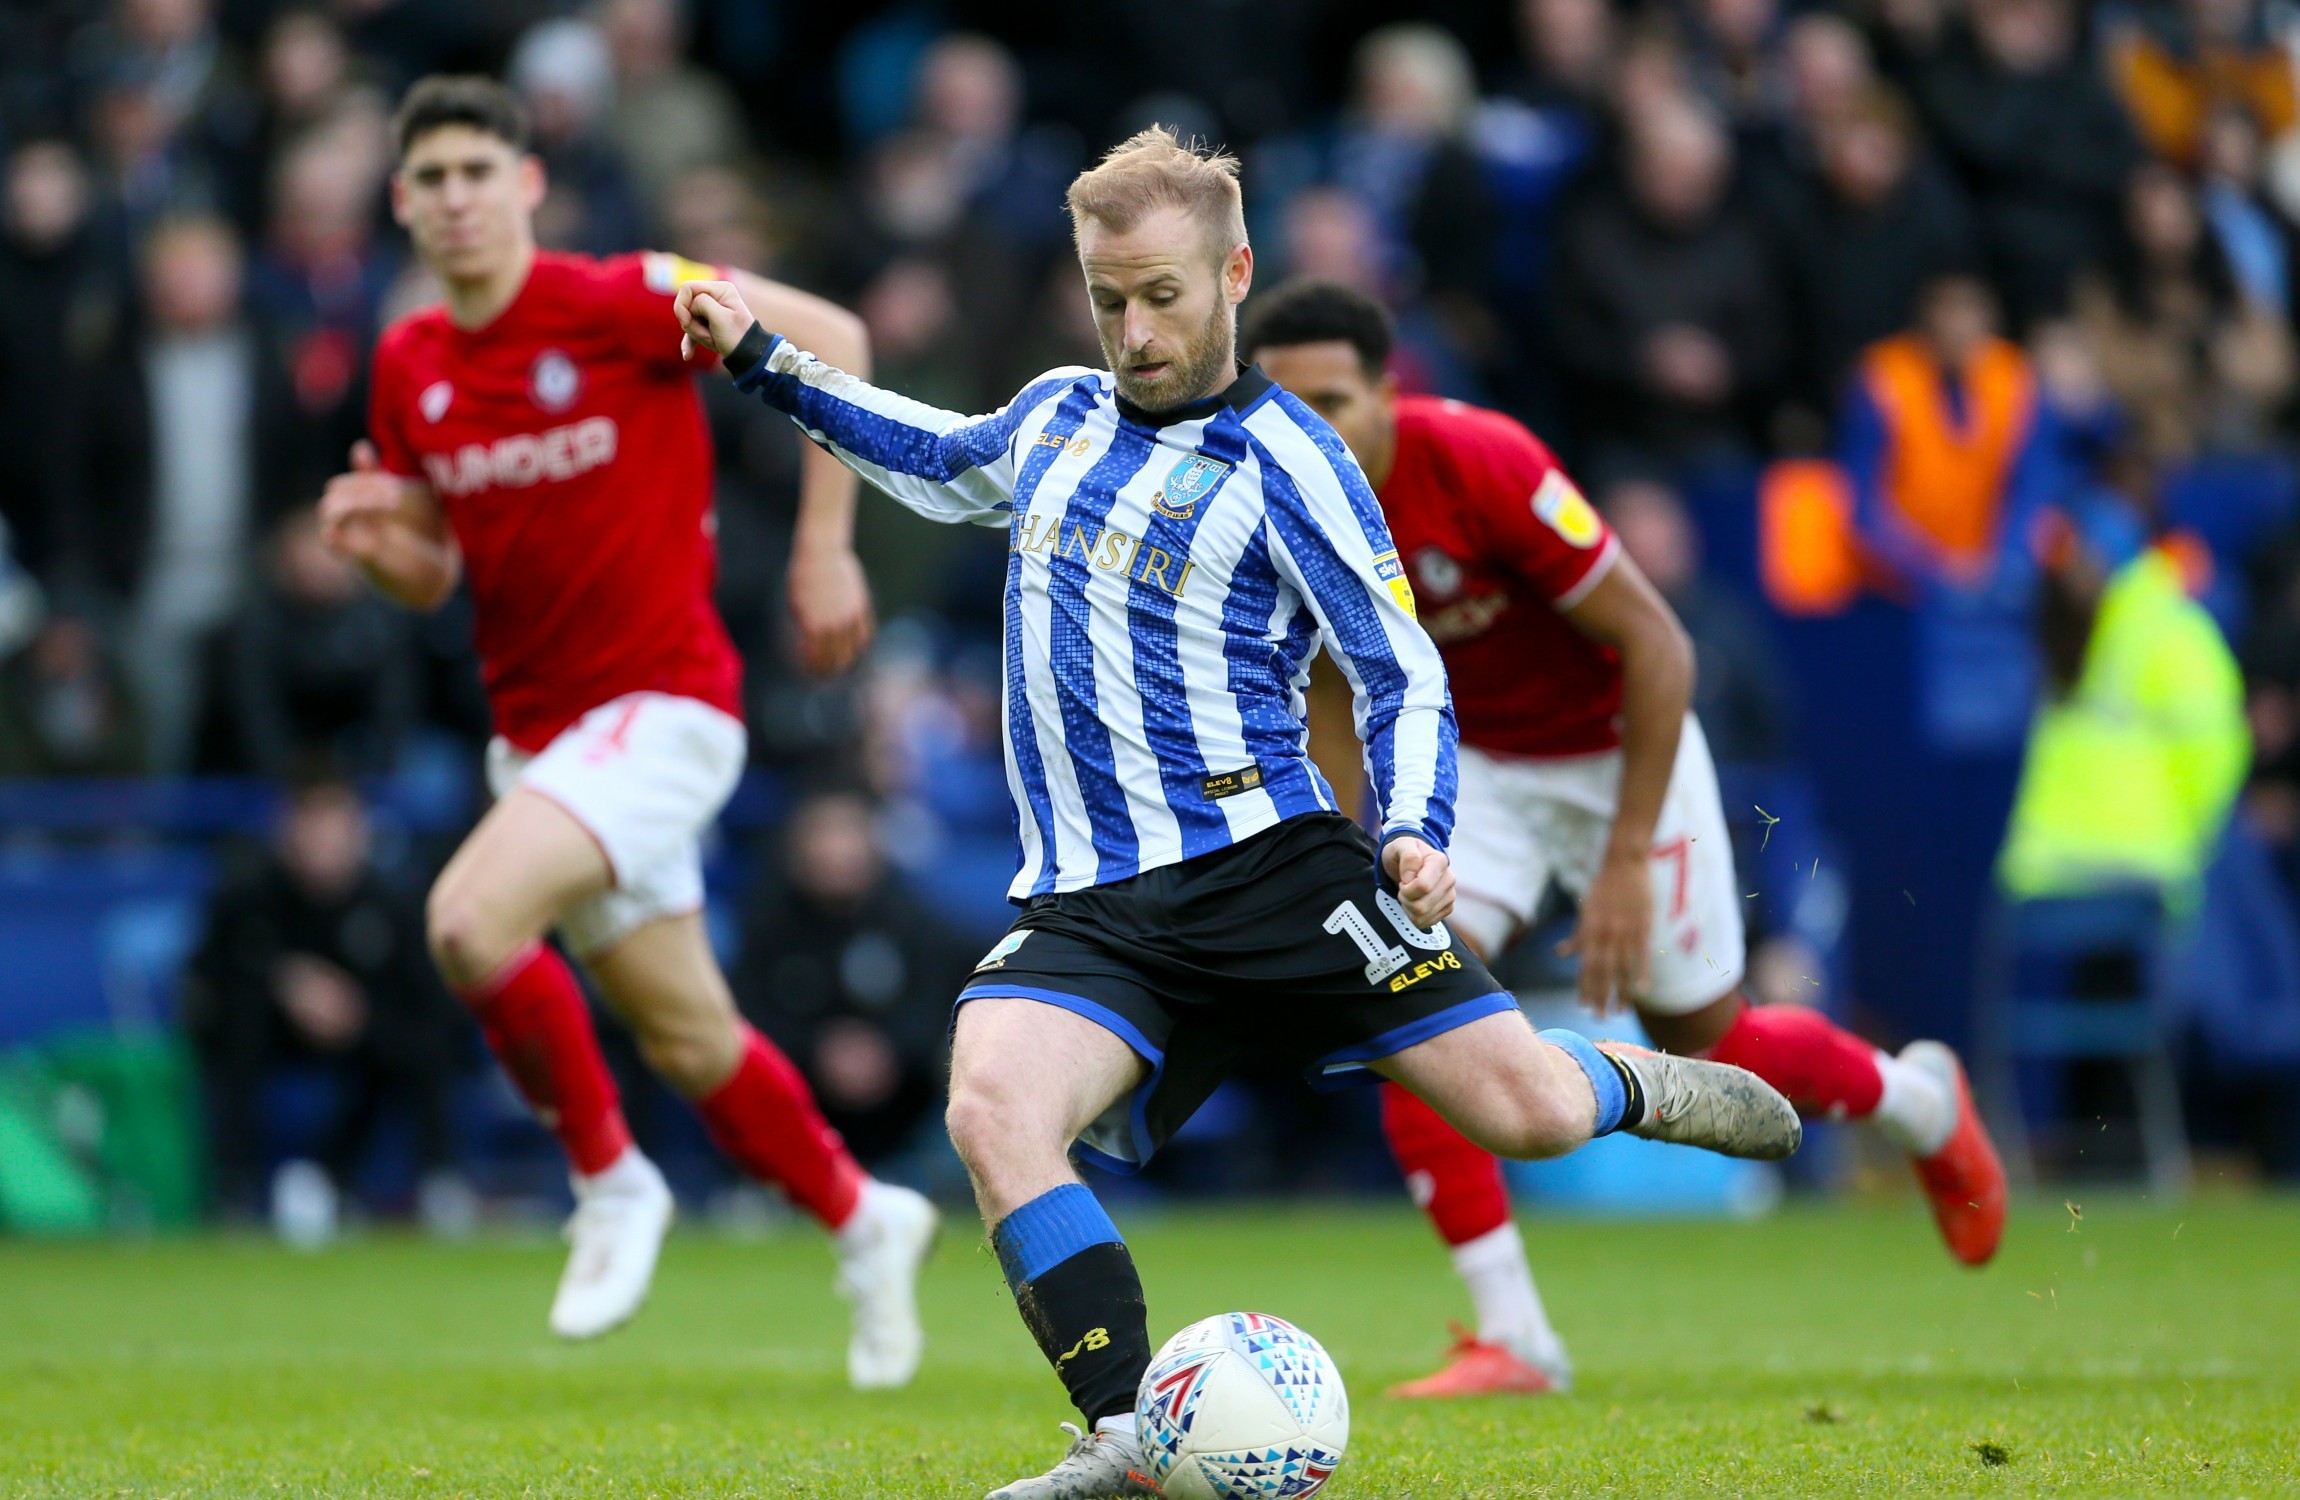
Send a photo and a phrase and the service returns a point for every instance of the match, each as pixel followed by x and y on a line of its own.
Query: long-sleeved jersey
pixel 1168 577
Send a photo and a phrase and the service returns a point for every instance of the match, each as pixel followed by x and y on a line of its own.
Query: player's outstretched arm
pixel 392 528
pixel 945 465
pixel 828 595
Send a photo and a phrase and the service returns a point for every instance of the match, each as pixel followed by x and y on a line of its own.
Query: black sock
pixel 1633 1107
pixel 1088 1317
pixel 1079 1295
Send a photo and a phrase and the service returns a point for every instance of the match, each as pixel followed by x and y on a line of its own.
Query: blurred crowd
pixel 1955 309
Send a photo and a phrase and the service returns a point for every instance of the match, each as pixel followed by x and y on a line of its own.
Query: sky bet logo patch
pixel 1392 572
pixel 1559 504
pixel 1187 483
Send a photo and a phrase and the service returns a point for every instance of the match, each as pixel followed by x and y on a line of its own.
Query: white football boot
pixel 621 1216
pixel 304 1204
pixel 1691 1101
pixel 880 1251
pixel 1101 1465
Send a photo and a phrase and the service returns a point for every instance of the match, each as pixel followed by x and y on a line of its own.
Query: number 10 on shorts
pixel 1384 959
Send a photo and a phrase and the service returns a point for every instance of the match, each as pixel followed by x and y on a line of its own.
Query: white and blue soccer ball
pixel 1242 1406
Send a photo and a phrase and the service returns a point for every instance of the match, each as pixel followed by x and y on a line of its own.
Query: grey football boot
pixel 1099 1466
pixel 1721 1108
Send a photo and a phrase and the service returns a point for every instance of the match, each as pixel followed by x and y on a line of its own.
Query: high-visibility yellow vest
pixel 2131 776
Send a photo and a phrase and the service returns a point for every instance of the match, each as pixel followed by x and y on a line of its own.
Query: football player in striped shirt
pixel 538 437
pixel 1181 535
pixel 1581 763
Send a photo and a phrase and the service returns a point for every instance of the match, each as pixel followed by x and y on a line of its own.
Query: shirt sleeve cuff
pixel 1599 566
pixel 747 362
pixel 1409 831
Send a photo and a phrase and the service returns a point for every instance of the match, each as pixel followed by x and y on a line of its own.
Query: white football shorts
pixel 1520 823
pixel 645 774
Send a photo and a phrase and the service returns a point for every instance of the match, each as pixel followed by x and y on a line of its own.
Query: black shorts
pixel 1281 946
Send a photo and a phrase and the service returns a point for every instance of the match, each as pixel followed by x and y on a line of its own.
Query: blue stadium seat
pixel 2030 1013
pixel 95 938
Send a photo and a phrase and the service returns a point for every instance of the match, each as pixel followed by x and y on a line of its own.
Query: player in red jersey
pixel 1580 763
pixel 540 435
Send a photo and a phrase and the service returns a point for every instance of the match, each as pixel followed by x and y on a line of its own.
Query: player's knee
pixel 1539 1119
pixel 694 1057
pixel 463 941
pixel 992 1130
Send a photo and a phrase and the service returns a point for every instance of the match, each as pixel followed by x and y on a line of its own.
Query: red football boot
pixel 1964 1178
pixel 1474 1367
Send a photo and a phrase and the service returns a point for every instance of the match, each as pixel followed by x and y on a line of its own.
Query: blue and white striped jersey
pixel 1168 580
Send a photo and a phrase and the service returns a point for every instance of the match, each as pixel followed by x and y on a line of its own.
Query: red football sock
pixel 1457 1184
pixel 765 1118
pixel 533 1016
pixel 1819 1066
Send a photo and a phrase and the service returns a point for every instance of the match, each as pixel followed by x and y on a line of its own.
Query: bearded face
pixel 1165 306
pixel 1204 364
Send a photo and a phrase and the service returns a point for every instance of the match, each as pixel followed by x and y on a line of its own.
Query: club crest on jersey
pixel 1439 574
pixel 1187 483
pixel 1561 507
pixel 553 382
pixel 1392 572
pixel 433 403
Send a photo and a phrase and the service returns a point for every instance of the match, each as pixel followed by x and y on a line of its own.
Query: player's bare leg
pixel 1026 1080
pixel 1529 1095
pixel 526 864
pixel 664 982
pixel 1918 1100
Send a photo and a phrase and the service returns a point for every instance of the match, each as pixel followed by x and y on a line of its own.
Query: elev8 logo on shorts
pixel 523 459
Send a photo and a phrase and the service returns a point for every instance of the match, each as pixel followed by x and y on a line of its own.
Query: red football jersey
pixel 1498 542
pixel 566 441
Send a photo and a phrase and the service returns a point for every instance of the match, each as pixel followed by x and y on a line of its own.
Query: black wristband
pixel 749 351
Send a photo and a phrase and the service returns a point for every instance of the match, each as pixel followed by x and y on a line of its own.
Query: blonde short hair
pixel 1155 169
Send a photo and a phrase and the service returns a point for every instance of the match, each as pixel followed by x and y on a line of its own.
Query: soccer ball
pixel 1242 1405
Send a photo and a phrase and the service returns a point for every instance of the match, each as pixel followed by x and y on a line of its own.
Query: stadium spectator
pixel 173 89
pixel 1865 229
pixel 2041 144
pixel 1826 67
pixel 1566 56
pixel 566 78
pixel 1947 444
pixel 317 284
pixel 2178 65
pixel 2138 751
pixel 2254 235
pixel 306 67
pixel 970 101
pixel 1405 155
pixel 318 663
pixel 54 303
pixel 314 965
pixel 1667 302
pixel 179 465
pixel 1738 693
pixel 66 708
pixel 2191 360
pixel 670 117
pixel 850 973
pixel 1737 63
pixel 1534 140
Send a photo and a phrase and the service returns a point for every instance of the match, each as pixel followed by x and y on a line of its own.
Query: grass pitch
pixel 1830 1351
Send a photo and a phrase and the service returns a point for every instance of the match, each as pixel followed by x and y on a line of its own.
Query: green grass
pixel 1830 1351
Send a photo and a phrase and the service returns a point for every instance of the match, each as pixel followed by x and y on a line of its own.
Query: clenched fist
pixel 711 316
